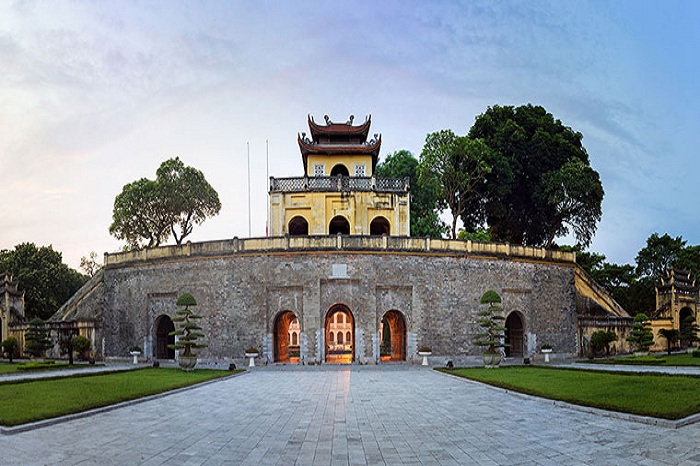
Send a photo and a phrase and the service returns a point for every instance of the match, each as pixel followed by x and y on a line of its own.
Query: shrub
pixel 425 349
pixel 10 347
pixel 37 339
pixel 601 340
pixel 696 354
pixel 250 350
pixel 641 335
pixel 81 346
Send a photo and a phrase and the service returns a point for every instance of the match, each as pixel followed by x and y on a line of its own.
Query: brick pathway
pixel 341 416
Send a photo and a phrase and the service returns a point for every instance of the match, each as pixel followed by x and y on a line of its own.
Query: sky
pixel 95 95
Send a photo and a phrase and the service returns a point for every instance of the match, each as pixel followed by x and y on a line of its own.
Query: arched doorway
pixel 163 327
pixel 514 335
pixel 380 226
pixel 340 335
pixel 392 332
pixel 340 169
pixel 298 226
pixel 286 347
pixel 339 225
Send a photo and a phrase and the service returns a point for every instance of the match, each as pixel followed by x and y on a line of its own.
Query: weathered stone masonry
pixel 242 285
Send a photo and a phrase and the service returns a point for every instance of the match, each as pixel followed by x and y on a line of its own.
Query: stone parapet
pixel 366 244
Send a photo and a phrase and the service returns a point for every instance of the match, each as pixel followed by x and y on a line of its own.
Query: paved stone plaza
pixel 342 415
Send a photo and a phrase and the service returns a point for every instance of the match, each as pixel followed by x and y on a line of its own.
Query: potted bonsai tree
pixel 424 352
pixel 251 353
pixel 135 351
pixel 641 335
pixel 546 350
pixel 188 334
pixel 491 320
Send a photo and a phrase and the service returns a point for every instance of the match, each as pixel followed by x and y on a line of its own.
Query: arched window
pixel 331 337
pixel 295 341
pixel 380 226
pixel 339 225
pixel 339 317
pixel 348 337
pixel 340 338
pixel 298 226
pixel 340 169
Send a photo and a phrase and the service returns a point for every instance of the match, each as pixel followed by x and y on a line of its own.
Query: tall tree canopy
pixel 454 168
pixel 425 220
pixel 147 212
pixel 541 184
pixel 47 282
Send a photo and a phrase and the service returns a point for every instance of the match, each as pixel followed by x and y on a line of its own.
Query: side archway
pixel 392 332
pixel 339 225
pixel 339 335
pixel 286 326
pixel 514 335
pixel 298 226
pixel 379 226
pixel 163 326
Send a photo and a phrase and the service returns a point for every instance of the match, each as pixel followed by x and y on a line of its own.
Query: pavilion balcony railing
pixel 339 184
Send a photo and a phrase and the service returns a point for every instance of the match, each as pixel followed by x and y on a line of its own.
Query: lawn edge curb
pixel 648 420
pixel 104 409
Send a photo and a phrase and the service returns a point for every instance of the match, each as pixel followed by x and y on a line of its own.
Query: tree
pixel 10 347
pixel 81 346
pixel 90 264
pixel 659 254
pixel 641 335
pixel 37 338
pixel 541 183
pixel 491 320
pixel 189 331
pixel 45 279
pixel 454 167
pixel 147 212
pixel 600 340
pixel 689 332
pixel 65 346
pixel 425 220
pixel 671 335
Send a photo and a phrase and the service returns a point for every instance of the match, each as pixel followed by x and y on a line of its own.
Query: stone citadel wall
pixel 242 285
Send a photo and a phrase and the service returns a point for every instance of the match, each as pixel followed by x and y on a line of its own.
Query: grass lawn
pixel 43 399
pixel 662 396
pixel 654 360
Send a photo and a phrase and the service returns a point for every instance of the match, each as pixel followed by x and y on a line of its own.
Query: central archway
pixel 163 327
pixel 514 335
pixel 286 334
pixel 298 226
pixel 339 225
pixel 392 331
pixel 340 335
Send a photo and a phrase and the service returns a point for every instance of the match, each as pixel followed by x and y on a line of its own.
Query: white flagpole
pixel 267 178
pixel 249 222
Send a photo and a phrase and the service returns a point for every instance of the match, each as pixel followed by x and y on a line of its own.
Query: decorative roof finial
pixel 328 120
pixel 352 117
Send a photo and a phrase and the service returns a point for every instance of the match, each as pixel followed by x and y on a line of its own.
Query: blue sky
pixel 94 95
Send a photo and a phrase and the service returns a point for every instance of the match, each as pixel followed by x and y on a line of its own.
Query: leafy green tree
pixel 454 167
pixel 600 340
pixel 81 346
pixel 491 320
pixel 689 332
pixel 671 335
pixel 481 234
pixel 90 264
pixel 147 212
pixel 10 347
pixel 45 279
pixel 425 220
pixel 189 332
pixel 37 338
pixel 541 183
pixel 659 254
pixel 641 335
pixel 689 259
pixel 65 346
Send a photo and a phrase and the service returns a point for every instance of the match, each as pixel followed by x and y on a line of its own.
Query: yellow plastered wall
pixel 330 161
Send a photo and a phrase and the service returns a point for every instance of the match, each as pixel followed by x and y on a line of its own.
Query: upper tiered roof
pixel 339 139
pixel 682 280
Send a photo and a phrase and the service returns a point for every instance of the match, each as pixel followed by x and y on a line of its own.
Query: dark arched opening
pixel 340 335
pixel 380 226
pixel 393 337
pixel 514 335
pixel 284 350
pixel 340 169
pixel 339 225
pixel 298 226
pixel 164 326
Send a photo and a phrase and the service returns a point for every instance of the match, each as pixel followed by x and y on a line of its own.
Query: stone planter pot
pixel 187 363
pixel 546 352
pixel 251 356
pixel 491 360
pixel 640 354
pixel 136 355
pixel 424 355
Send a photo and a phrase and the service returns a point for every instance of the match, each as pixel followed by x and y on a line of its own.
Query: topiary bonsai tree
pixel 689 332
pixel 37 338
pixel 491 320
pixel 10 346
pixel 189 332
pixel 671 335
pixel 641 335
pixel 601 340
